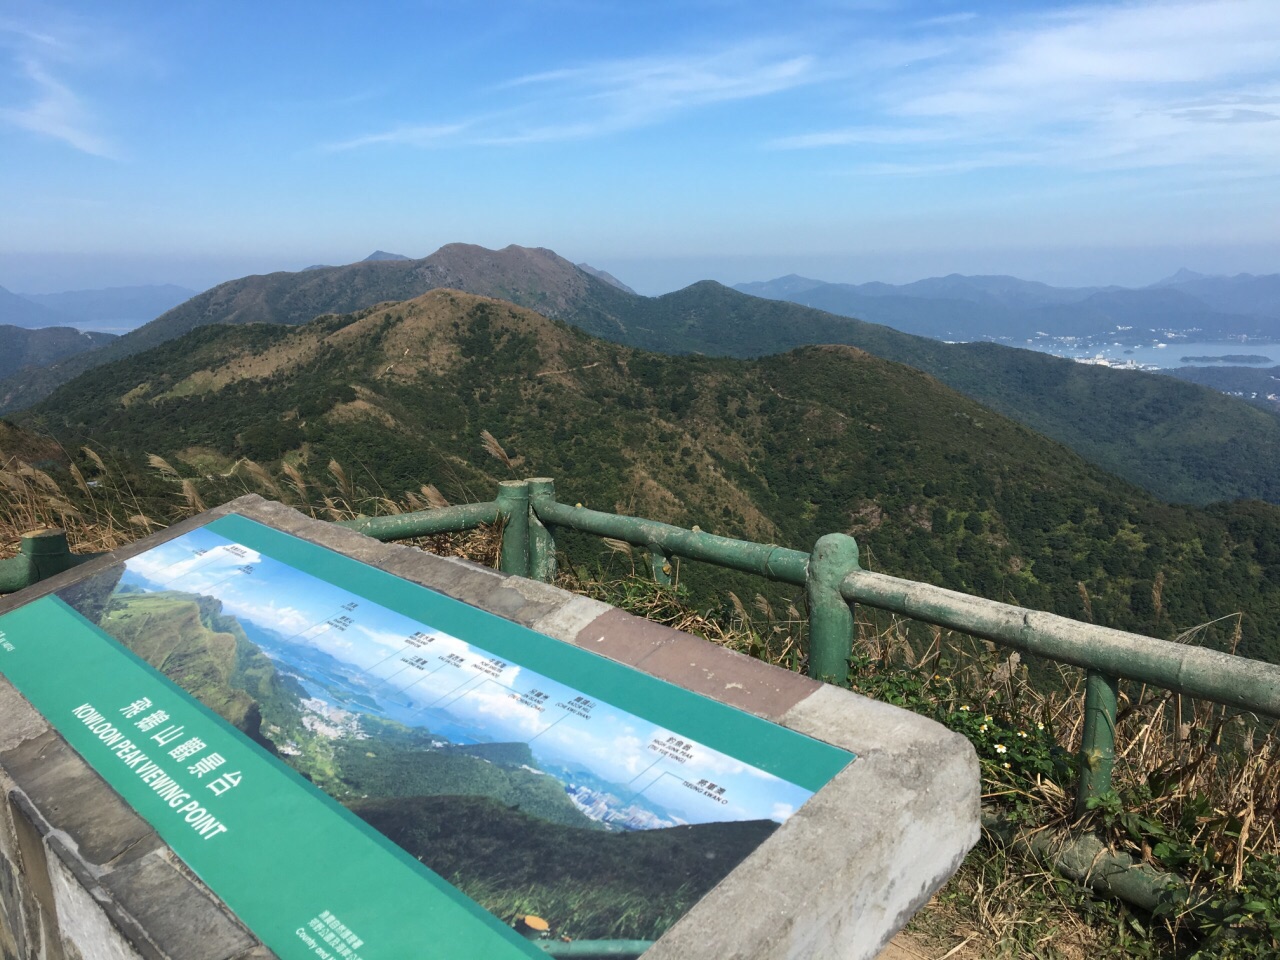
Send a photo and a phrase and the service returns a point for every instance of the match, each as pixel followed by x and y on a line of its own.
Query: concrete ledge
pixel 82 876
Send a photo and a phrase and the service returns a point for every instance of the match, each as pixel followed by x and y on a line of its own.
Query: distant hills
pixel 779 449
pixel 964 308
pixel 16 311
pixel 22 348
pixel 125 306
pixel 1182 442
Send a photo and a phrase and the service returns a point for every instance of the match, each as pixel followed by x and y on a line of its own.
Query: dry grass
pixel 1206 775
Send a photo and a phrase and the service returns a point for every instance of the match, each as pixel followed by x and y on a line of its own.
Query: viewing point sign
pixel 361 762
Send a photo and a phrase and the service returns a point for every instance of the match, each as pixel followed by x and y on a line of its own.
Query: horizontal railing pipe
pixel 766 560
pixel 1194 671
pixel 424 523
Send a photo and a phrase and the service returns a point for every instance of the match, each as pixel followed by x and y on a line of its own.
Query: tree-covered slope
pixel 780 449
pixel 22 349
pixel 1181 443
pixel 588 884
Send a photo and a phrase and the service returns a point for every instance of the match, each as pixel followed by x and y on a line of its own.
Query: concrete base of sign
pixel 82 876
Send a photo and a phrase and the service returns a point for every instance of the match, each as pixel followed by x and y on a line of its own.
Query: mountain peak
pixel 1183 275
pixel 383 255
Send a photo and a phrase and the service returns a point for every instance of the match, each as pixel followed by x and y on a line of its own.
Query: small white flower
pixel 1000 748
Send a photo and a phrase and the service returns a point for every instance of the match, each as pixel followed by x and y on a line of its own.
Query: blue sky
pixel 667 142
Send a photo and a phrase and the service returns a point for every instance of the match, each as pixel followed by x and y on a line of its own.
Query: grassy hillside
pixel 535 278
pixel 781 449
pixel 169 631
pixel 1184 444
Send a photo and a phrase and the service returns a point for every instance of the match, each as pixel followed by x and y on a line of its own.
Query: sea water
pixel 1164 356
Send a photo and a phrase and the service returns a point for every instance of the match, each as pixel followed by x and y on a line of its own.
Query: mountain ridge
pixel 779 449
pixel 1205 446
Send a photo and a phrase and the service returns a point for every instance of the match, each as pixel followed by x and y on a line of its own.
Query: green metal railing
pixel 833 582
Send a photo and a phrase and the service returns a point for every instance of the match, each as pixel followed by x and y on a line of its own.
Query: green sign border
pixel 773 748
pixel 280 876
pixel 297 851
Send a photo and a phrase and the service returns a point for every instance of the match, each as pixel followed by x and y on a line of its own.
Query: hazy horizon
pixel 35 273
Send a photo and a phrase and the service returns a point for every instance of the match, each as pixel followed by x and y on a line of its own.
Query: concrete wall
pixel 81 876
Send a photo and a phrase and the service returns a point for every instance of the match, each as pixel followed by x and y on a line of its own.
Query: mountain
pixel 1244 293
pixel 1257 386
pixel 531 277
pixel 941 318
pixel 958 307
pixel 604 275
pixel 383 255
pixel 117 305
pixel 779 449
pixel 1181 275
pixel 1182 442
pixel 22 348
pixel 18 311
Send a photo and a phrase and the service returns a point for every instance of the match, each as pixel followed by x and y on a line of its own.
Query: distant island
pixel 1229 358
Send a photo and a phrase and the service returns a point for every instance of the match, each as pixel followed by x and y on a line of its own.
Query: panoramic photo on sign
pixel 532 778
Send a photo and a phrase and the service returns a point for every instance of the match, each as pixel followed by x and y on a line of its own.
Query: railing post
pixel 1098 741
pixel 542 543
pixel 48 552
pixel 513 510
pixel 660 563
pixel 834 557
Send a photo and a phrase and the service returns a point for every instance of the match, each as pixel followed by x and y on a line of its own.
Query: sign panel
pixel 364 768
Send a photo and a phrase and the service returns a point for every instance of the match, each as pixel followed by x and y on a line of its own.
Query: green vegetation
pixel 1197 788
pixel 1182 444
pixel 782 449
pixel 1197 791
pixel 589 884
pixel 381 767
pixel 176 633
pixel 21 348
pixel 1250 384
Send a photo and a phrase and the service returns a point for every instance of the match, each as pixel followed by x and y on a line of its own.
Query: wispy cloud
pixel 611 96
pixel 56 111
pixel 51 107
pixel 406 135
pixel 1160 83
